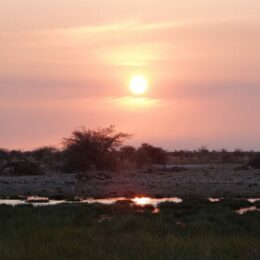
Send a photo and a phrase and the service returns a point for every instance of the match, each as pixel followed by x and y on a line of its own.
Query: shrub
pixel 48 155
pixel 23 167
pixel 255 162
pixel 148 154
pixel 4 155
pixel 16 155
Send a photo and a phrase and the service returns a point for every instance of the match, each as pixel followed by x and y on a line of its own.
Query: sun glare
pixel 138 85
pixel 142 201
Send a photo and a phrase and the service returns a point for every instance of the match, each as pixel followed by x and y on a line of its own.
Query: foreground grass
pixel 195 229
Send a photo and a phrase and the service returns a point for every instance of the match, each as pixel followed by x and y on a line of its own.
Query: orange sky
pixel 65 64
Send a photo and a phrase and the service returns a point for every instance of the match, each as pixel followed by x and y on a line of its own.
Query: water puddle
pixel 214 199
pixel 253 200
pixel 44 201
pixel 35 202
pixel 243 211
pixel 12 202
pixel 142 202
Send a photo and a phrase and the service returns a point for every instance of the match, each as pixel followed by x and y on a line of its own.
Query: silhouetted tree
pixel 4 155
pixel 47 155
pixel 203 151
pixel 255 161
pixel 150 154
pixel 16 155
pixel 128 153
pixel 86 148
pixel 40 154
pixel 226 157
pixel 22 167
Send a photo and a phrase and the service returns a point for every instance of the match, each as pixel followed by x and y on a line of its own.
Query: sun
pixel 138 85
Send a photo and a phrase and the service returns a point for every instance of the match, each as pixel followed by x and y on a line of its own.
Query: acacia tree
pixel 86 148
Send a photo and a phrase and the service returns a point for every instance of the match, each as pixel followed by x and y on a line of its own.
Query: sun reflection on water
pixel 143 201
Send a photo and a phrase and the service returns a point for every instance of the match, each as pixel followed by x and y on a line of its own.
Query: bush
pixel 255 162
pixel 24 167
pixel 128 153
pixel 4 155
pixel 47 155
pixel 148 154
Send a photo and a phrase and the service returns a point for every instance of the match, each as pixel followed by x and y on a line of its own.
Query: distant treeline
pixel 104 149
pixel 203 155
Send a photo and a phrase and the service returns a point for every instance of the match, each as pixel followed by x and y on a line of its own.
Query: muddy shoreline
pixel 217 180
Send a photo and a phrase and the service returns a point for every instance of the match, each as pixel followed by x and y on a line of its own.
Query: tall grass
pixel 186 231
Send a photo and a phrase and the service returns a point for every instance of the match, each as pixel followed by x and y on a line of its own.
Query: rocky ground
pixel 214 180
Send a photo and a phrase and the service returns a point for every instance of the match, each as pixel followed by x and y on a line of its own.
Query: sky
pixel 68 63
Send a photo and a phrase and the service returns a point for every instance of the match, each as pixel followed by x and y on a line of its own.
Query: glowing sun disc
pixel 138 85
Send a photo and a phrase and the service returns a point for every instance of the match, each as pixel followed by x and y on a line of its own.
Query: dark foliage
pixel 92 148
pixel 128 153
pixel 4 155
pixel 151 154
pixel 21 167
pixel 255 162
pixel 102 149
pixel 49 156
pixel 202 155
pixel 43 153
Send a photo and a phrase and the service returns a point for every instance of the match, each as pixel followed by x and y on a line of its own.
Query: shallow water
pixel 189 165
pixel 214 199
pixel 12 202
pixel 44 201
pixel 253 200
pixel 139 201
pixel 242 211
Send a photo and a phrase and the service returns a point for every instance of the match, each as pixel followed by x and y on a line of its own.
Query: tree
pixel 43 153
pixel 4 155
pixel 86 148
pixel 255 161
pixel 128 153
pixel 48 155
pixel 16 155
pixel 150 154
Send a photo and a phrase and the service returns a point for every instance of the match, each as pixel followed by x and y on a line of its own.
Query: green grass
pixel 195 229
